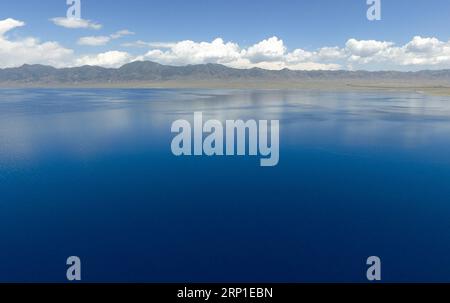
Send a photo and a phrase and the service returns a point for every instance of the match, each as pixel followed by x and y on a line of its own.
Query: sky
pixel 295 34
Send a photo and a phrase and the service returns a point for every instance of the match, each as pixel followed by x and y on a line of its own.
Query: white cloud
pixel 29 50
pixel 268 54
pixel 419 53
pixel 366 48
pixel 94 40
pixel 103 40
pixel 190 52
pixel 424 45
pixel 269 50
pixel 107 59
pixel 330 53
pixel 271 53
pixel 141 43
pixel 75 23
pixel 9 24
pixel 121 34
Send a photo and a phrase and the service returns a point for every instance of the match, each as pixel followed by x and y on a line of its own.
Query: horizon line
pixel 233 68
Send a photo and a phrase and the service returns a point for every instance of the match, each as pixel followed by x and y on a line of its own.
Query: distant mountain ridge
pixel 147 71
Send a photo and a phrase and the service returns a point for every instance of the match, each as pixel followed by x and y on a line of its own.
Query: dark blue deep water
pixel 90 173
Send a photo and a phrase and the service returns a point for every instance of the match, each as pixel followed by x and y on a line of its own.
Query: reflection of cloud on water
pixel 15 139
pixel 76 134
pixel 88 123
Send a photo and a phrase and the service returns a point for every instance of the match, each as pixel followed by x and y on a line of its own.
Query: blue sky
pixel 306 25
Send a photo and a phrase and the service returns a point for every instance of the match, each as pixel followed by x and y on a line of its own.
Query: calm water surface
pixel 90 173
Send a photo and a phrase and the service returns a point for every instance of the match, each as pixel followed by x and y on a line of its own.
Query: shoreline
pixel 437 89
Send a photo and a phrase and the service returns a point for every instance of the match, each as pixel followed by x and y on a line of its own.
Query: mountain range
pixel 146 72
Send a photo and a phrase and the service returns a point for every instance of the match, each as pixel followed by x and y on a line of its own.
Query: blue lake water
pixel 90 173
